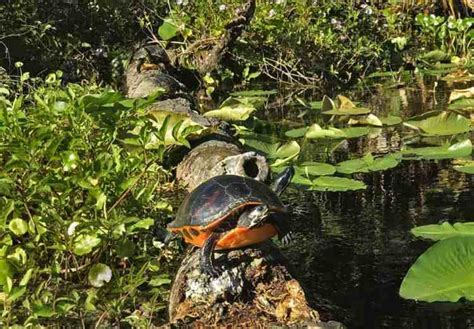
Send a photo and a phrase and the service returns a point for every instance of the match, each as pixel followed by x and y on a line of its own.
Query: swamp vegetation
pixel 372 104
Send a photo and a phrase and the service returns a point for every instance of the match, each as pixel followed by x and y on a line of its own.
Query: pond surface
pixel 352 249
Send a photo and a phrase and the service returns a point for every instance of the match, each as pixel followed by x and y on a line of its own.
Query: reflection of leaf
pixel 443 231
pixel 335 184
pixel 445 123
pixel 457 150
pixel 442 273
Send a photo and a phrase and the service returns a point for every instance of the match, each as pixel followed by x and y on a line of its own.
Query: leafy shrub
pixel 82 196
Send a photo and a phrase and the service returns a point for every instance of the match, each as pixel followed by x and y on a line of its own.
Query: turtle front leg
pixel 207 255
pixel 284 229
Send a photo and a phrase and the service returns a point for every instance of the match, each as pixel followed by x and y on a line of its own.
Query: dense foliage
pixel 82 200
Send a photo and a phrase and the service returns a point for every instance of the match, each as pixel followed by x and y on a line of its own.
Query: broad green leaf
pixel 237 112
pixel 26 277
pixel 18 226
pixel 315 131
pixel 125 248
pixel 160 280
pixel 369 119
pixel 391 120
pixel 458 150
pixel 443 231
pixel 6 271
pixel 467 168
pixel 368 163
pixel 354 132
pixel 43 311
pixel 315 169
pixel 435 56
pixel 463 104
pixel 296 133
pixel 141 224
pixel 85 243
pixel 461 94
pixel 443 273
pixel 168 30
pixel 99 274
pixel 445 123
pixel 336 184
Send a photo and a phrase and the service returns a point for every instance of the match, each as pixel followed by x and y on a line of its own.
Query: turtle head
pixel 254 216
pixel 282 180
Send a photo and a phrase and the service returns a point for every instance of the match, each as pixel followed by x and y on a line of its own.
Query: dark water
pixel 353 249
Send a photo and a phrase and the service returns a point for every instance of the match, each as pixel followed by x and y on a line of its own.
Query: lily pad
pixel 369 119
pixel 391 120
pixel 467 168
pixel 458 150
pixel 445 123
pixel 337 184
pixel 368 163
pixel 316 131
pixel 315 169
pixel 463 104
pixel 443 231
pixel 296 133
pixel 442 273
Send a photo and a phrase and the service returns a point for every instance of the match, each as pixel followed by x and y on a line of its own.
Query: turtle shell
pixel 214 201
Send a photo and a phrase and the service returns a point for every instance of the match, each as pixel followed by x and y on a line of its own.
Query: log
pixel 255 289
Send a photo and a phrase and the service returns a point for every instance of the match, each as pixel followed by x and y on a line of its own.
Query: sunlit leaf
pixel 296 133
pixel 6 271
pixel 442 273
pixel 390 120
pixel 458 150
pixel 168 30
pixel 237 112
pixel 99 274
pixel 336 184
pixel 85 243
pixel 466 167
pixel 315 131
pixel 369 119
pixel 315 169
pixel 443 231
pixel 18 226
pixel 445 123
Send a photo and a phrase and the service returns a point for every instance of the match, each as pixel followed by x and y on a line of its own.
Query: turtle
pixel 230 211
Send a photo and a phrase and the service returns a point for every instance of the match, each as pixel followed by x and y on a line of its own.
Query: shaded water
pixel 353 249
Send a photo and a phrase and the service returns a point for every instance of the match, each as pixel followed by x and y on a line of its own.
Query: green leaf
pixel 443 273
pixel 443 231
pixel 18 226
pixel 168 30
pixel 391 120
pixel 368 163
pixel 296 133
pixel 251 93
pixel 160 280
pixel 85 243
pixel 99 274
pixel 369 119
pixel 458 150
pixel 236 112
pixel 125 248
pixel 26 277
pixel 6 271
pixel 445 123
pixel 285 153
pixel 43 311
pixel 141 224
pixel 336 184
pixel 315 169
pixel 467 168
pixel 315 131
pixel 463 104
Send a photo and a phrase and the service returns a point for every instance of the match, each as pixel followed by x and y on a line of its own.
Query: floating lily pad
pixel 391 120
pixel 463 104
pixel 278 153
pixel 445 123
pixel 369 119
pixel 442 273
pixel 467 168
pixel 443 231
pixel 315 169
pixel 316 131
pixel 354 132
pixel 368 163
pixel 336 184
pixel 458 150
pixel 342 106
